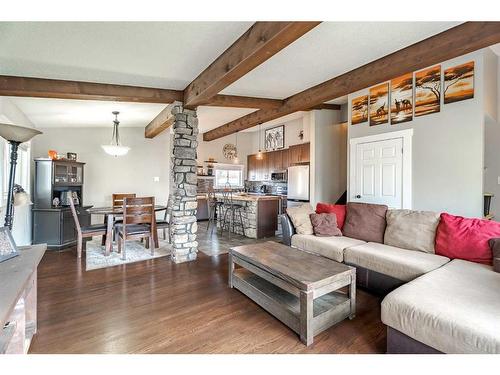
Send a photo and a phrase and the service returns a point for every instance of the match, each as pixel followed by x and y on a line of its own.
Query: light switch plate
pixel 157 179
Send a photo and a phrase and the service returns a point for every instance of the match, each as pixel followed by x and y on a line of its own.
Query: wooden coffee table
pixel 298 288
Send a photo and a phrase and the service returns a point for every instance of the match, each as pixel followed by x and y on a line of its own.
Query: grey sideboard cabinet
pixel 60 179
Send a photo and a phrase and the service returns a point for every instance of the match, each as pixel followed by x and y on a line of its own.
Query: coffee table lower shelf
pixel 328 309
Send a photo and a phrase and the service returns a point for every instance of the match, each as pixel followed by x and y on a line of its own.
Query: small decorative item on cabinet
pixel 56 202
pixel 53 154
pixel 71 156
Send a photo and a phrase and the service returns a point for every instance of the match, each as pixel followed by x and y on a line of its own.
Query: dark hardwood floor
pixel 156 306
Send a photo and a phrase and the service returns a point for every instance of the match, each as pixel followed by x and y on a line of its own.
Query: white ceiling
pixel 328 50
pixel 156 54
pixel 172 54
pixel 55 113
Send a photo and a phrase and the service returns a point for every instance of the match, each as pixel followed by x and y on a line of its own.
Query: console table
pixel 18 299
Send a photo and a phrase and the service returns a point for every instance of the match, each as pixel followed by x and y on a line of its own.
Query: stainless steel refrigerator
pixel 298 183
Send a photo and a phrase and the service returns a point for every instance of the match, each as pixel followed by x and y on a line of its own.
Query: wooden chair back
pixel 118 199
pixel 138 210
pixel 75 215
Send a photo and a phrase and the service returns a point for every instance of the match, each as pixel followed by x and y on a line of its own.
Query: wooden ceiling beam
pixel 256 45
pixel 457 41
pixel 162 122
pixel 61 89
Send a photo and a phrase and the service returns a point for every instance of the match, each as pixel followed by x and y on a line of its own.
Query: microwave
pixel 279 176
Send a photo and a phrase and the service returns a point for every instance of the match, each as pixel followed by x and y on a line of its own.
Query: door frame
pixel 407 136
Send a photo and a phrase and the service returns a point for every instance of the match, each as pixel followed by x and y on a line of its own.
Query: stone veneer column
pixel 182 201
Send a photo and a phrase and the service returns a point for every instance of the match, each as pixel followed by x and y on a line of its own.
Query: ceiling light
pixel 115 148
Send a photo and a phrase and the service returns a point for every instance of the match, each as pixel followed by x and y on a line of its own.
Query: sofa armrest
pixel 287 229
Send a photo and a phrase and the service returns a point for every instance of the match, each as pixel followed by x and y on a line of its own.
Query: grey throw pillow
pixel 325 225
pixel 365 222
pixel 411 230
pixel 495 249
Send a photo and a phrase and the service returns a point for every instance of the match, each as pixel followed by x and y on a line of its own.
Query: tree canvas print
pixel 428 91
pixel 359 110
pixel 379 104
pixel 402 99
pixel 459 83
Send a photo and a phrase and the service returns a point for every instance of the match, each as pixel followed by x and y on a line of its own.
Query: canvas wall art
pixel 402 99
pixel 459 83
pixel 428 91
pixel 379 104
pixel 359 110
pixel 275 138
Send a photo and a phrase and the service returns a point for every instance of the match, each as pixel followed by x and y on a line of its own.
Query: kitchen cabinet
pixel 275 161
pixel 299 153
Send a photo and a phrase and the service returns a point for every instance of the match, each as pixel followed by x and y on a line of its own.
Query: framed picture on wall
pixel 359 110
pixel 428 91
pixel 379 104
pixel 402 99
pixel 274 138
pixel 8 248
pixel 459 83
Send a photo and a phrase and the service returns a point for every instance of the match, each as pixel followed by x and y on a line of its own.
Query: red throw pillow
pixel 338 209
pixel 463 238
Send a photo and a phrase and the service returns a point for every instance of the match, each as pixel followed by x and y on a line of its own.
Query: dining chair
pixel 138 222
pixel 118 198
pixel 117 201
pixel 85 231
pixel 165 225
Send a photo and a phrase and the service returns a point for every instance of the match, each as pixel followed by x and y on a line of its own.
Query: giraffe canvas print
pixel 379 104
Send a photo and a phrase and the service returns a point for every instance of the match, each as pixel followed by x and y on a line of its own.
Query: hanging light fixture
pixel 236 153
pixel 259 154
pixel 115 148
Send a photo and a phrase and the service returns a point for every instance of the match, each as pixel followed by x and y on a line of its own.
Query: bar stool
pixel 214 209
pixel 234 210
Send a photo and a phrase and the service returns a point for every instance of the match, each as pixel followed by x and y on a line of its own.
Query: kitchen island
pixel 260 217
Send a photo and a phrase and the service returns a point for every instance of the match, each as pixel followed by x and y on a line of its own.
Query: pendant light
pixel 259 154
pixel 115 148
pixel 236 154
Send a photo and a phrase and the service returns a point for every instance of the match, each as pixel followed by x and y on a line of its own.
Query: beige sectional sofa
pixel 433 304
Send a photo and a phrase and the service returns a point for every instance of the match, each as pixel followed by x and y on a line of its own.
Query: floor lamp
pixel 15 135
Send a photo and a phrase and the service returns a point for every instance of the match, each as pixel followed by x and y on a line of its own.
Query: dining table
pixel 116 212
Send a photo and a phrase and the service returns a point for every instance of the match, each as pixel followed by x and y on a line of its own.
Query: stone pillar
pixel 182 200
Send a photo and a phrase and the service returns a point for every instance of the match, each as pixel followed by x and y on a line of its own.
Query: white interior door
pixel 379 173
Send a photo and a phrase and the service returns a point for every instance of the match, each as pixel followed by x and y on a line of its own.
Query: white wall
pixel 105 174
pixel 447 150
pixel 21 228
pixel 492 131
pixel 214 149
pixel 328 156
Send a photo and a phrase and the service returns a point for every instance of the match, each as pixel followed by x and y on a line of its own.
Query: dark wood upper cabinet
pixel 275 161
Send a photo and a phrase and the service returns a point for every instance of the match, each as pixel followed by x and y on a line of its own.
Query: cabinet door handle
pixel 358 196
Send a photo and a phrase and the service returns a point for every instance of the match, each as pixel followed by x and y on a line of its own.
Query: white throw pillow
pixel 300 218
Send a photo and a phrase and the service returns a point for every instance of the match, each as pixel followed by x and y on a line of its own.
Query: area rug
pixel 135 252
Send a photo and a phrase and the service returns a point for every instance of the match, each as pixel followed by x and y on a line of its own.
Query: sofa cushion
pixel 454 309
pixel 495 249
pixel 325 225
pixel 412 230
pixel 463 238
pixel 365 222
pixel 401 264
pixel 329 247
pixel 300 218
pixel 338 209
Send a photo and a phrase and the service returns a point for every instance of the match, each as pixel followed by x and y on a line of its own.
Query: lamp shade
pixel 17 133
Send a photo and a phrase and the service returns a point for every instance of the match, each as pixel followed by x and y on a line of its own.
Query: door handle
pixel 358 196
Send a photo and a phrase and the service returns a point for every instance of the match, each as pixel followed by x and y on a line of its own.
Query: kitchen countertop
pixel 248 197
